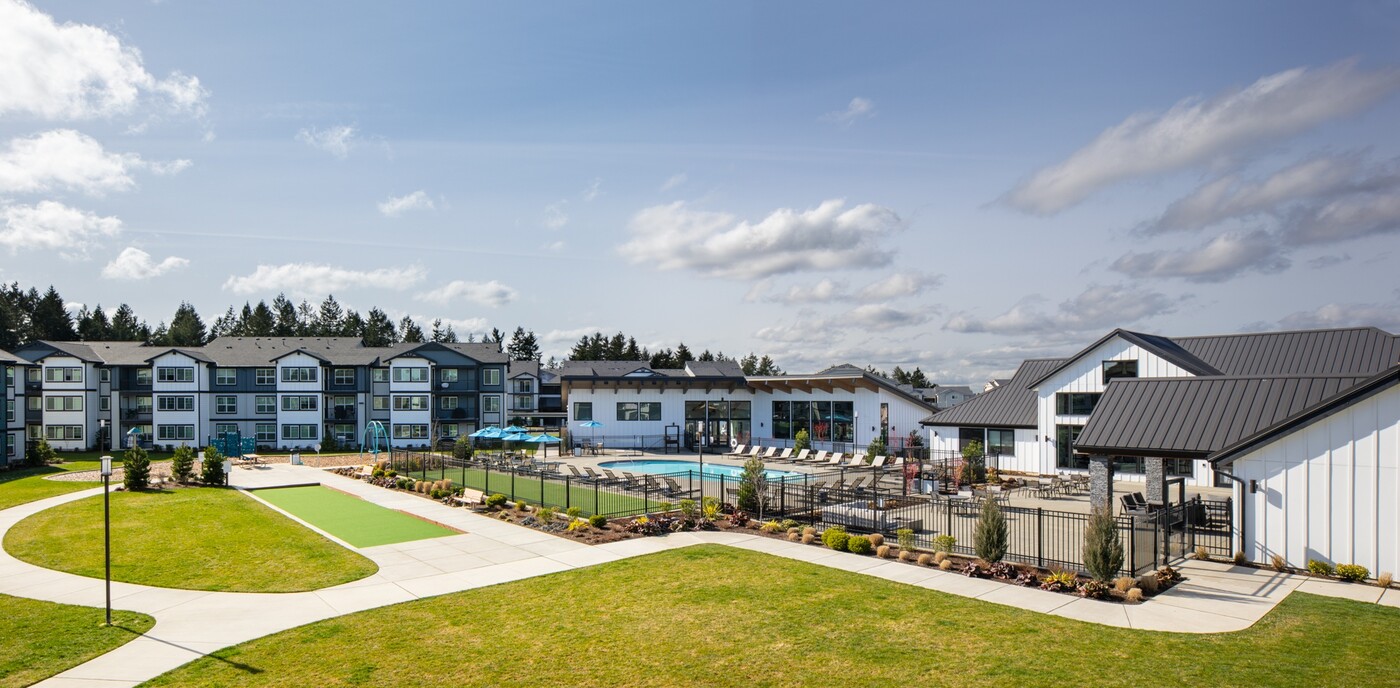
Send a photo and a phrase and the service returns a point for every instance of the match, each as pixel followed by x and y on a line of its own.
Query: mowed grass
pixel 717 616
pixel 194 538
pixel 350 518
pixel 23 485
pixel 44 638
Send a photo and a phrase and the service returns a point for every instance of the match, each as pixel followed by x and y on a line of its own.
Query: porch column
pixel 1101 482
pixel 1156 480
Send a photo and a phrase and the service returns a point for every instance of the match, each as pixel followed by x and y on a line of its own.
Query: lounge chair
pixel 879 461
pixel 801 456
pixel 574 470
pixel 738 451
pixel 613 477
pixel 857 484
pixel 857 461
pixel 594 475
pixel 633 482
pixel 674 489
pixel 784 455
pixel 835 459
pixel 819 458
pixel 755 451
pixel 769 453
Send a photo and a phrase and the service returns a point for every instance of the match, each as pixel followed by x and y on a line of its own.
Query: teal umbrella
pixel 487 433
pixel 516 429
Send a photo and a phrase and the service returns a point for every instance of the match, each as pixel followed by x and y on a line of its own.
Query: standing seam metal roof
pixel 1008 405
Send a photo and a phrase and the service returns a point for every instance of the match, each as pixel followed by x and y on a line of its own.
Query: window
pixel 68 403
pixel 168 374
pixel 305 402
pixel 344 376
pixel 225 428
pixel 9 376
pixel 104 403
pixel 411 431
pixel 342 401
pixel 265 376
pixel 63 374
pixel 522 386
pixel 265 432
pixel 450 432
pixel 35 403
pixel 381 403
pixel 1065 456
pixel 34 432
pixel 583 410
pixel 1076 403
pixel 104 375
pixel 491 403
pixel 345 432
pixel 143 377
pixel 380 375
pixel 174 402
pixel 491 376
pixel 639 410
pixel 448 403
pixel 265 404
pixel 299 374
pixel 299 432
pixel 225 376
pixel 416 374
pixel 143 405
pixel 63 432
pixel 175 432
pixel 447 375
pixel 1112 369
pixel 9 413
pixel 1001 442
pixel 411 402
pixel 523 402
pixel 226 404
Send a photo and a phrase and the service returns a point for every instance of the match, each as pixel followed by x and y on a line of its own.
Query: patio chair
pixel 633 482
pixel 856 461
pixel 802 456
pixel 577 475
pixel 769 453
pixel 738 451
pixel 594 475
pixel 879 461
pixel 818 458
pixel 674 489
pixel 784 455
pixel 1131 505
pixel 755 451
pixel 835 459
pixel 613 477
pixel 858 484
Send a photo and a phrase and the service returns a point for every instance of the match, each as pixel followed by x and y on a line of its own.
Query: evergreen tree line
pixel 913 377
pixel 620 347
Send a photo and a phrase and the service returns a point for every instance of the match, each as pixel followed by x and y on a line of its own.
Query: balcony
pixel 340 413
pixel 458 413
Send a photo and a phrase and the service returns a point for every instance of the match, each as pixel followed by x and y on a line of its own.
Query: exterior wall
pixel 672 400
pixel 1028 447
pixel 86 388
pixel 401 389
pixel 12 411
pixel 1329 490
pixel 309 388
pixel 197 416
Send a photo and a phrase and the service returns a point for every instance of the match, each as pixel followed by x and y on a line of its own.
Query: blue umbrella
pixel 487 433
pixel 514 429
pixel 543 439
pixel 592 424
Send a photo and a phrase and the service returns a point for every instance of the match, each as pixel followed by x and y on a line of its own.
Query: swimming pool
pixel 712 470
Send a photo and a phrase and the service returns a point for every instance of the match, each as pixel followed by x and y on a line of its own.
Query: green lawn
pixel 604 500
pixel 713 615
pixel 44 638
pixel 350 518
pixel 195 538
pixel 22 485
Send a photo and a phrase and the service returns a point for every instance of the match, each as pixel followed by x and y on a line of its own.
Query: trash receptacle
pixel 578 450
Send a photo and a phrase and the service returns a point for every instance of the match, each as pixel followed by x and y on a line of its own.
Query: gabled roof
pixel 104 352
pixel 1011 405
pixel 196 354
pixel 261 351
pixel 1161 346
pixel 524 368
pixel 1193 417
pixel 8 357
pixel 704 370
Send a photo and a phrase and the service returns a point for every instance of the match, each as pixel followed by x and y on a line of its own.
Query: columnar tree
pixel 182 464
pixel 136 468
pixel 211 472
pixel 989 539
pixel 1103 547
pixel 753 487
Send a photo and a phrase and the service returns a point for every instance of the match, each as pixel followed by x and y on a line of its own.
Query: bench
pixel 469 498
pixel 365 471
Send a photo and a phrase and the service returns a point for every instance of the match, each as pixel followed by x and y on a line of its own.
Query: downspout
pixel 1244 490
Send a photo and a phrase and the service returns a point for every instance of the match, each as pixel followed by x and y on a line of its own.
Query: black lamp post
pixel 107 529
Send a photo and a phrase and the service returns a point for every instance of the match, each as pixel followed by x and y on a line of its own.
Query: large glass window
pixel 741 410
pixel 169 374
pixel 225 428
pixel 490 376
pixel 411 431
pixel 265 432
pixel 583 410
pixel 143 404
pixel 68 403
pixel 225 376
pixel 449 403
pixel 299 432
pixel 63 374
pixel 265 404
pixel 645 410
pixel 300 374
pixel 842 421
pixel 1076 403
pixel 1112 369
pixel 63 432
pixel 448 375
pixel 411 402
pixel 265 376
pixel 104 375
pixel 782 419
pixel 175 433
pixel 491 403
pixel 143 377
pixel 226 404
pixel 415 374
pixel 381 403
pixel 344 376
pixel 306 402
pixel 1001 442
pixel 1065 456
pixel 380 375
pixel 168 402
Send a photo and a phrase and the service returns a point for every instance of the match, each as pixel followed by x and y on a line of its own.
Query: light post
pixel 107 529
pixel 700 451
pixel 101 434
pixel 855 429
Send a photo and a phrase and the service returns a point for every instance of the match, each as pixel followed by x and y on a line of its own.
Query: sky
pixel 951 187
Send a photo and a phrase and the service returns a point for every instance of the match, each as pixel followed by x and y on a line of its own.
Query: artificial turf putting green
pixel 46 638
pixel 718 616
pixel 350 518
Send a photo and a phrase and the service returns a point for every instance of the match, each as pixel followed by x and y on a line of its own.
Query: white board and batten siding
pixel 195 418
pixel 672 400
pixel 1028 448
pixel 904 415
pixel 1329 490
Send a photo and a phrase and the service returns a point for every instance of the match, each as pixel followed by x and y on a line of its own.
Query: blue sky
pixel 956 188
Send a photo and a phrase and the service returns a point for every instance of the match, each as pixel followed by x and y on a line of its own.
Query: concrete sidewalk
pixel 190 624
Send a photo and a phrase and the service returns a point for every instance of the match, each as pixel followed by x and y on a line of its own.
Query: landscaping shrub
pixel 1352 572
pixel 1134 595
pixel 598 521
pixel 883 551
pixel 496 501
pixel 939 557
pixel 577 524
pixel 1094 589
pixel 753 486
pixel 972 569
pixel 1385 579
pixel 771 527
pixel 211 472
pixel 946 564
pixel 1148 583
pixel 1202 554
pixel 925 559
pixel 1241 558
pixel 874 449
pixel 1317 567
pixel 545 514
pixel 944 543
pixel 1058 580
pixel 858 544
pixel 462 448
pixel 1103 548
pixel 794 536
pixel 1028 577
pixel 802 440
pixel 876 539
pixel 42 454
pixel 1002 571
pixel 989 540
pixel 1279 563
pixel 790 523
pixel 809 530
pixel 905 538
pixel 521 504
pixel 182 464
pixel 1124 583
pixel 1166 575
pixel 905 555
pixel 436 494
pixel 663 507
pixel 808 538
pixel 835 537
pixel 574 511
pixel 137 466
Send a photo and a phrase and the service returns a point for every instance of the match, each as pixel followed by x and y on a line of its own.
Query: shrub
pixel 1135 595
pixel 663 507
pixel 1124 583
pixel 876 539
pixel 835 537
pixel 462 448
pixel 905 555
pixel 1103 548
pixel 575 511
pixel 973 468
pixel 802 440
pixel 1352 572
pixel 1385 579
pixel 1058 580
pixel 858 544
pixel 1148 583
pixel 137 466
pixel 808 538
pixel 496 501
pixel 790 523
pixel 944 543
pixel 1166 575
pixel 1002 571
pixel 1317 567
pixel 905 537
pixel 577 524
pixel 1094 589
pixel 989 539
pixel 946 564
pixel 971 569
pixel 753 486
pixel 771 527
pixel 42 454
pixel 182 464
pixel 546 514
pixel 809 530
pixel 211 471
pixel 598 521
pixel 883 551
pixel 794 536
pixel 874 449
pixel 798 531
pixel 940 557
pixel 1202 554
pixel 521 504
pixel 925 559
pixel 1278 562
pixel 1241 558
pixel 436 494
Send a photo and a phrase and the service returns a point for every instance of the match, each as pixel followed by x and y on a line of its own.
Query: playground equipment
pixel 375 439
pixel 234 445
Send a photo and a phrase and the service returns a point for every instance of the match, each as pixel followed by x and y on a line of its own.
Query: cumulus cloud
pixel 1198 131
pixel 1216 260
pixel 491 293
pixel 1386 316
pixel 49 225
pixel 673 181
pixel 825 291
pixel 899 285
pixel 1349 217
pixel 675 236
pixel 68 159
pixel 398 205
pixel 1097 307
pixel 858 109
pixel 135 264
pixel 76 71
pixel 871 317
pixel 336 140
pixel 895 286
pixel 309 279
pixel 461 326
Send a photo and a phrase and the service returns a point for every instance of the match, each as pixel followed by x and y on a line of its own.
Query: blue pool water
pixel 713 470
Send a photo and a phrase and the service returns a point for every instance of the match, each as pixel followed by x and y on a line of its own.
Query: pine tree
pixel 51 320
pixel 261 323
pixel 329 319
pixel 186 328
pixel 524 346
pixel 306 319
pixel 286 312
pixel 443 334
pixel 632 353
pixel 499 338
pixel 749 364
pixel 616 348
pixel 245 317
pixel 126 327
pixel 683 355
pixel 224 325
pixel 353 325
pixel 379 329
pixel 93 325
pixel 412 333
pixel 766 366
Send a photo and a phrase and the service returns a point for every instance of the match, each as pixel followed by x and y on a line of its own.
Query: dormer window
pixel 1113 369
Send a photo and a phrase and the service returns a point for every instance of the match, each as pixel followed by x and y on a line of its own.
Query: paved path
pixel 190 624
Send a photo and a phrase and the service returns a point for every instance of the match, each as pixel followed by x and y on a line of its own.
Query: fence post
pixel 595 496
pixel 782 495
pixel 948 509
pixel 512 484
pixel 1040 536
pixel 1132 546
pixel 568 493
pixel 646 491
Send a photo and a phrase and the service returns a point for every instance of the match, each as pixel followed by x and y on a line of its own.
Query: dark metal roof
pixel 1359 350
pixel 1162 346
pixel 1011 405
pixel 1193 417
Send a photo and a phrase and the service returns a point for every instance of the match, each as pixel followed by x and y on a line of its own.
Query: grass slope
pixel 23 485
pixel 714 615
pixel 350 518
pixel 196 538
pixel 45 638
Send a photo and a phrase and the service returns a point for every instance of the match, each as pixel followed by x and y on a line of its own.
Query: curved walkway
pixel 190 624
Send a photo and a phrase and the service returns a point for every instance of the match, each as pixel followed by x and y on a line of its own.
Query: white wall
pixel 1329 490
pixel 672 409
pixel 197 416
pixel 87 417
pixel 1028 448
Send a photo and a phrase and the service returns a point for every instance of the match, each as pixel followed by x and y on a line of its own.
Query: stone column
pixel 1101 482
pixel 1156 480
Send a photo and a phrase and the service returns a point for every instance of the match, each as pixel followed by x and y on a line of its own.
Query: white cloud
pixel 857 109
pixel 49 225
pixel 336 140
pixel 1097 307
pixel 879 317
pixel 310 279
pixel 1385 316
pixel 397 205
pixel 77 71
pixel 594 190
pixel 555 246
pixel 68 159
pixel 1214 261
pixel 135 264
pixel 872 317
pixel 825 291
pixel 554 216
pixel 895 286
pixel 570 336
pixel 673 181
pixel 491 293
pixel 898 285
pixel 1349 217
pixel 1197 131
pixel 716 244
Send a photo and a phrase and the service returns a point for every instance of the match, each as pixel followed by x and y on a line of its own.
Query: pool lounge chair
pixel 738 451
pixel 574 470
pixel 769 453
pixel 594 475
pixel 856 461
pixel 879 461
pixel 784 456
pixel 802 456
pixel 755 451
pixel 835 460
pixel 819 458
pixel 674 489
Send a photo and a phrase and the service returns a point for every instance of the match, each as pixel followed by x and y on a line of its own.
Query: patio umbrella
pixel 543 439
pixel 487 433
pixel 514 429
pixel 594 425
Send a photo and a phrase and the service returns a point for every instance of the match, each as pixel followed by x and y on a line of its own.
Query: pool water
pixel 712 470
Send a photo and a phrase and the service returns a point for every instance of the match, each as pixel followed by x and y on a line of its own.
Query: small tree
pixel 211 472
pixel 989 540
pixel 42 454
pixel 874 449
pixel 136 468
pixel 182 464
pixel 1103 548
pixel 462 448
pixel 753 487
pixel 803 440
pixel 973 468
